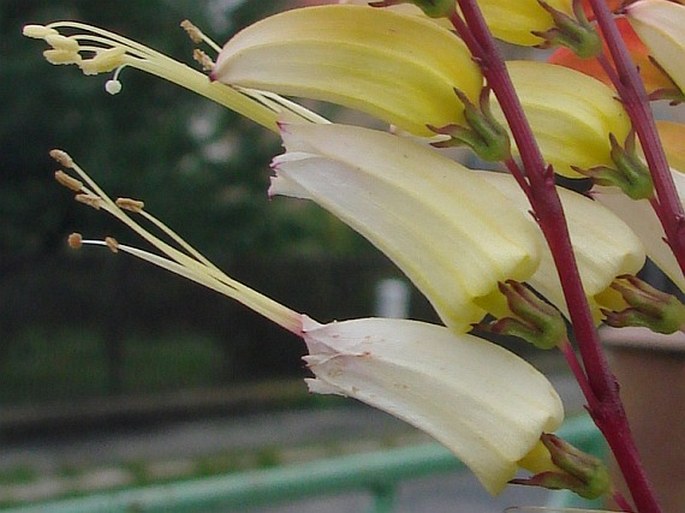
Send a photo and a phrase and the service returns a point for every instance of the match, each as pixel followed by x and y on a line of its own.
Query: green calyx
pixel 483 133
pixel 648 307
pixel 431 8
pixel 630 174
pixel 579 472
pixel 535 321
pixel 574 32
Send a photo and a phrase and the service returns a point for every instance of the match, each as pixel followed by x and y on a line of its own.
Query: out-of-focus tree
pixel 201 168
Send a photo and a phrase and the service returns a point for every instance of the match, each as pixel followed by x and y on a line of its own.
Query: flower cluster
pixel 432 72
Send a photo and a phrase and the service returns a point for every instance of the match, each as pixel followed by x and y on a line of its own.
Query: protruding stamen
pixel 197 36
pixel 112 244
pixel 104 61
pixel 90 200
pixel 194 33
pixel 58 57
pixel 38 31
pixel 74 240
pixel 62 157
pixel 60 42
pixel 68 181
pixel 203 59
pixel 131 205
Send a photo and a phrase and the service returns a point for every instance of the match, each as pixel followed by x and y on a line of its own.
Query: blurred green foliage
pixel 199 167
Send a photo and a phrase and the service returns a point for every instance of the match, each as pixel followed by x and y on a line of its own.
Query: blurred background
pixel 116 374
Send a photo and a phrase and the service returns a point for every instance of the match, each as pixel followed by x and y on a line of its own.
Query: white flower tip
pixel 316 386
pixel 113 87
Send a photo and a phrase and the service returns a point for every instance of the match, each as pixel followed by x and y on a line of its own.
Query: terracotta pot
pixel 651 371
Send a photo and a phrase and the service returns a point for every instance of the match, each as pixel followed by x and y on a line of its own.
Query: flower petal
pixel 604 245
pixel 672 136
pixel 661 26
pixel 400 68
pixel 484 403
pixel 571 114
pixel 451 234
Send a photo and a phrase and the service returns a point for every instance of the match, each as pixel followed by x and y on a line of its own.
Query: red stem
pixel 604 402
pixel 668 207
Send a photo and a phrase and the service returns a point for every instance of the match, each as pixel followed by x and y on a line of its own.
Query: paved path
pixel 172 448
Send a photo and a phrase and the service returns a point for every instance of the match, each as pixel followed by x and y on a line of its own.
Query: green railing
pixel 377 473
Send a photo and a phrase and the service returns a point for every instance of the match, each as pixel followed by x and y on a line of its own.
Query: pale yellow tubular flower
pixel 401 69
pixel 96 51
pixel 660 24
pixel 514 21
pixel 447 229
pixel 604 245
pixel 571 114
pixel 427 376
pixel 485 404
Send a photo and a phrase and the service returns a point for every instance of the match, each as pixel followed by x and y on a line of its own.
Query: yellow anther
pixel 68 181
pixel 194 33
pixel 62 57
pixel 62 157
pixel 38 31
pixel 112 244
pixel 104 61
pixel 90 200
pixel 130 204
pixel 205 61
pixel 60 42
pixel 74 240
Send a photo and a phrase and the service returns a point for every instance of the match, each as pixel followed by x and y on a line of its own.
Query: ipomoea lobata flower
pixel 661 26
pixel 605 246
pixel 399 68
pixel 571 114
pixel 446 228
pixel 481 401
